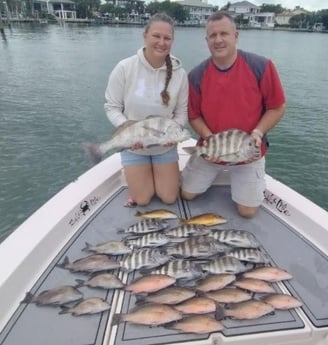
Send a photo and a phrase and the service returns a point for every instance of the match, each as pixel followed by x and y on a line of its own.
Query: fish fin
pixel 64 263
pixel 93 151
pixel 190 149
pixel 123 126
pixel 79 282
pixel 86 248
pixel 138 214
pixel 145 271
pixel 28 298
pixel 117 318
pixel 64 309
pixel 219 312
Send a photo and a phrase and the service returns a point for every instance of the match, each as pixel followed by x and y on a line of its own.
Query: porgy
pixel 152 131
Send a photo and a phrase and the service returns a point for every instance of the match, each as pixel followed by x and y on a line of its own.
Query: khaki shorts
pixel 247 180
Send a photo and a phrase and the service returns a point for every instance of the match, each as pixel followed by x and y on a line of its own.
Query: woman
pixel 152 82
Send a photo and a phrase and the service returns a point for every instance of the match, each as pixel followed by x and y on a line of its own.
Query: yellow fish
pixel 159 213
pixel 207 219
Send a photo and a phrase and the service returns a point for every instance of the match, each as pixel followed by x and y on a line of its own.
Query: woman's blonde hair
pixel 163 17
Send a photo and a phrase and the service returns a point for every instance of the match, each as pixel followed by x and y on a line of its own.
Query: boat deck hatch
pixel 33 325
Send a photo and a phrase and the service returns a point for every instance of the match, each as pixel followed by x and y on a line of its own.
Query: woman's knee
pixel 247 212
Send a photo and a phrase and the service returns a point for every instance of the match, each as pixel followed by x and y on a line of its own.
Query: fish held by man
pixel 150 132
pixel 232 146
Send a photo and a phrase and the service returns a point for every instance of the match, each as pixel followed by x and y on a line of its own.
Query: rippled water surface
pixel 52 82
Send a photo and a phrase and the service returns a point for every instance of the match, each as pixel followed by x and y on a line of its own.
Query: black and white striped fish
pixel 152 239
pixel 198 247
pixel 226 264
pixel 144 258
pixel 186 230
pixel 235 238
pixel 231 146
pixel 145 226
pixel 249 254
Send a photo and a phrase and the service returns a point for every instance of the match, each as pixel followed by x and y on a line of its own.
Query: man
pixel 232 89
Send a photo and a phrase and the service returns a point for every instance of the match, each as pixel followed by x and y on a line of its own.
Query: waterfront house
pixel 251 13
pixel 284 17
pixel 198 10
pixel 62 9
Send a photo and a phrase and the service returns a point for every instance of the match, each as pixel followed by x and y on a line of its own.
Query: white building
pixel 199 10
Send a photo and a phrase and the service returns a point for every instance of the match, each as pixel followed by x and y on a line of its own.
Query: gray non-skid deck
pixel 33 325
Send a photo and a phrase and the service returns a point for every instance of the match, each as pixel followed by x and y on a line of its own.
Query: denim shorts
pixel 129 158
pixel 247 180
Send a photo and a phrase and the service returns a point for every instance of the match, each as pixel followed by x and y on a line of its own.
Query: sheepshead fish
pixel 232 146
pixel 152 131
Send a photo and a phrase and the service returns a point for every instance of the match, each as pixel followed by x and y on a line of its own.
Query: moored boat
pixel 291 230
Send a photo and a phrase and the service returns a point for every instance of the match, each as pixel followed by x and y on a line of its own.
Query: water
pixel 53 80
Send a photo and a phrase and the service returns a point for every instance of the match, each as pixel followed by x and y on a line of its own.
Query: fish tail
pixel 117 318
pixel 79 282
pixel 64 309
pixel 86 248
pixel 28 298
pixel 64 263
pixel 189 149
pixel 93 152
pixel 219 312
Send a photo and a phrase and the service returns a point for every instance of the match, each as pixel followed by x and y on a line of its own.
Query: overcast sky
pixel 310 5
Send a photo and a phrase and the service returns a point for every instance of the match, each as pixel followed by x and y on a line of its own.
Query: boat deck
pixel 286 248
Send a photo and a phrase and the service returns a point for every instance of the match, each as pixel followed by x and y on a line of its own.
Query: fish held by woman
pixel 152 131
pixel 232 146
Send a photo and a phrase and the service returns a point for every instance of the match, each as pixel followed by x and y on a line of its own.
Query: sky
pixel 310 5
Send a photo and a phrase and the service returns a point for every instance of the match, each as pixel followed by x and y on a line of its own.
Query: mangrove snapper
pixel 93 305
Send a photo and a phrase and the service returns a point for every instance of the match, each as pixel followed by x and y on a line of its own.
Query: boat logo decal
pixel 276 202
pixel 85 207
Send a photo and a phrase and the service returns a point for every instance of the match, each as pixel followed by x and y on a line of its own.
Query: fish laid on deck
pixel 150 315
pixel 145 258
pixel 197 247
pixel 199 324
pixel 93 305
pixel 152 131
pixel 249 254
pixel 157 214
pixel 110 248
pixel 151 283
pixel 254 285
pixel 231 146
pixel 198 305
pixel 226 264
pixel 270 274
pixel 236 238
pixel 169 295
pixel 187 230
pixel 102 281
pixel 90 264
pixel 145 226
pixel 57 296
pixel 282 301
pixel 208 219
pixel 247 310
pixel 228 295
pixel 215 282
pixel 153 239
